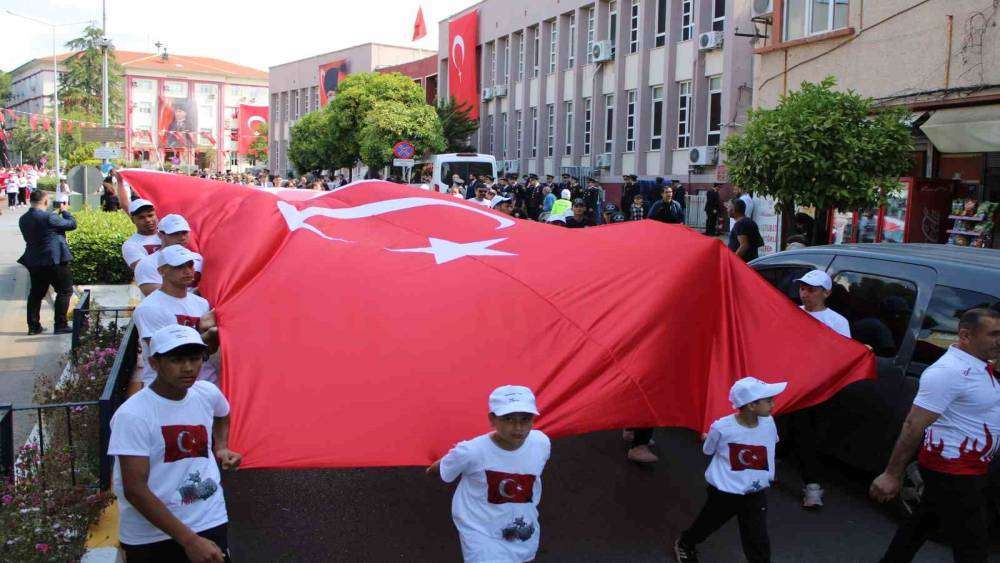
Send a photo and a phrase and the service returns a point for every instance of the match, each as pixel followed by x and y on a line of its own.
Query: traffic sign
pixel 107 152
pixel 403 149
pixel 103 134
pixel 403 162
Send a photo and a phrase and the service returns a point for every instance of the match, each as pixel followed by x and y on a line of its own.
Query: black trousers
pixel 11 199
pixel 22 196
pixel 169 551
pixel 60 278
pixel 954 503
pixel 751 513
pixel 712 223
pixel 642 436
pixel 802 429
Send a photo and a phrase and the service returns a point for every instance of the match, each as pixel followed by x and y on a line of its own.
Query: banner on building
pixel 330 76
pixel 463 64
pixel 252 118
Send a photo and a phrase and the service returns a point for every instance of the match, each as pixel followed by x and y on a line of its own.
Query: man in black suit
pixel 47 256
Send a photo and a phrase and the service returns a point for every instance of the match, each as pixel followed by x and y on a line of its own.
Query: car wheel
pixel 911 491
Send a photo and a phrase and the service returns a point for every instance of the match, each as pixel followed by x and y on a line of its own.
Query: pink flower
pixel 42 547
pixel 7 499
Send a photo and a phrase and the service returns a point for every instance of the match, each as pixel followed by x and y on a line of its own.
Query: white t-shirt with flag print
pixel 742 458
pixel 158 310
pixel 495 506
pixel 176 436
pixel 137 247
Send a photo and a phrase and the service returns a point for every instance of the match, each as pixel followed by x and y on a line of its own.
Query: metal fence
pixel 89 319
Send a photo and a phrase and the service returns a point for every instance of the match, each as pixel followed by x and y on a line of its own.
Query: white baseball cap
pixel 817 278
pixel 512 398
pixel 498 200
pixel 173 336
pixel 176 255
pixel 173 223
pixel 139 204
pixel 750 389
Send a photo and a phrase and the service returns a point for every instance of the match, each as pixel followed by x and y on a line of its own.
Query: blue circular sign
pixel 403 149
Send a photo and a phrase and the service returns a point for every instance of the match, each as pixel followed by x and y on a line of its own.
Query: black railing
pixel 115 394
pixel 79 318
pixel 89 319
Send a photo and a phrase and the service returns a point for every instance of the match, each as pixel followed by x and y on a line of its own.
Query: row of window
pixel 293 104
pixel 683 136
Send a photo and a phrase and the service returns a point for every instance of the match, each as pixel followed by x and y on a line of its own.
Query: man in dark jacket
pixel 713 206
pixel 666 210
pixel 46 256
pixel 629 189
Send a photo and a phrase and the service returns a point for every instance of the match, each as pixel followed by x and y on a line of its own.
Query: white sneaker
pixel 812 496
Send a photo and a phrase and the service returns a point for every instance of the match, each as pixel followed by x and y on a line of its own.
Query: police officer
pixel 593 195
pixel 533 197
pixel 629 189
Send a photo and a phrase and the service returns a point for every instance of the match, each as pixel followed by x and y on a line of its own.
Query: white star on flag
pixel 446 250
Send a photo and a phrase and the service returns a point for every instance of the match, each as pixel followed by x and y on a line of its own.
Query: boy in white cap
pixel 145 241
pixel 173 230
pixel 742 467
pixel 173 304
pixel 166 477
pixel 814 289
pixel 495 506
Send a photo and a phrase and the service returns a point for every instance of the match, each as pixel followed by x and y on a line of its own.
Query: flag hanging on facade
pixel 419 27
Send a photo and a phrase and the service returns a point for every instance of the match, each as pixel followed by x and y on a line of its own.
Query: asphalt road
pixel 596 506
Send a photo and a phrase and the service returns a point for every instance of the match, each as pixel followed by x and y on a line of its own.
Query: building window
pixel 810 17
pixel 503 135
pixel 534 132
pixel 505 63
pixel 684 115
pixel 296 104
pixel 613 22
pixel 660 39
pixel 538 51
pixel 687 20
pixel 631 99
pixel 656 137
pixel 569 128
pixel 489 134
pixel 275 108
pixel 590 35
pixel 718 15
pixel 571 56
pixel 315 96
pixel 518 129
pixel 287 106
pixel 550 130
pixel 520 56
pixel 588 124
pixel 633 28
pixel 493 62
pixel 609 122
pixel 714 110
pixel 553 45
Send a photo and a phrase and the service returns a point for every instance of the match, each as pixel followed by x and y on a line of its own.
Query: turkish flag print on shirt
pixel 463 64
pixel 742 456
pixel 187 320
pixel 181 441
pixel 508 487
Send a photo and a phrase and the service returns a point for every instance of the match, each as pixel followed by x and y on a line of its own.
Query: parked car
pixel 905 301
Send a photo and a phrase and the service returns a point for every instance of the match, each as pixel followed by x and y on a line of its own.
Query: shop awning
pixel 974 129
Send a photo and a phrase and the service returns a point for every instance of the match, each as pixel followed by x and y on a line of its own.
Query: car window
pixel 940 326
pixel 784 278
pixel 878 307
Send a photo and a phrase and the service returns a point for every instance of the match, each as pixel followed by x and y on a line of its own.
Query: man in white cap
pixel 502 204
pixel 166 477
pixel 145 241
pixel 495 506
pixel 173 230
pixel 814 289
pixel 742 468
pixel 173 304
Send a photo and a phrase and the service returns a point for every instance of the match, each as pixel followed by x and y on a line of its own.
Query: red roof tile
pixel 133 60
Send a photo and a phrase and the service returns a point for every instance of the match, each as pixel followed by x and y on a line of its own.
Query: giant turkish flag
pixel 463 64
pixel 251 120
pixel 366 326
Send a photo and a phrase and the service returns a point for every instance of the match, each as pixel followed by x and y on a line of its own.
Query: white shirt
pixel 147 271
pixel 158 310
pixel 832 319
pixel 485 202
pixel 12 185
pixel 495 506
pixel 137 247
pixel 176 436
pixel 742 458
pixel 964 438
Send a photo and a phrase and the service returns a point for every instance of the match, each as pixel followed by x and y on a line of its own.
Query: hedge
pixel 96 245
pixel 47 183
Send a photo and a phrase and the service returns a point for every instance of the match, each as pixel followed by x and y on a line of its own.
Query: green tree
pixel 821 148
pixel 311 144
pixel 32 145
pixel 258 148
pixel 5 89
pixel 81 84
pixel 456 125
pixel 390 122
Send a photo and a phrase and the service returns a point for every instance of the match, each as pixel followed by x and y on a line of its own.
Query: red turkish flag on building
pixel 508 487
pixel 419 27
pixel 747 457
pixel 252 118
pixel 181 441
pixel 463 64
pixel 401 346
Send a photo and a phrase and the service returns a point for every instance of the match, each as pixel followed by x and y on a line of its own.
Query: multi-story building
pixel 296 87
pixel 939 59
pixel 610 87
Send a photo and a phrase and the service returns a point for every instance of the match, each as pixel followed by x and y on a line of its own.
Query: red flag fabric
pixel 69 126
pixel 251 120
pixel 419 27
pixel 33 121
pixel 330 76
pixel 165 118
pixel 409 307
pixel 46 124
pixel 208 137
pixel 463 64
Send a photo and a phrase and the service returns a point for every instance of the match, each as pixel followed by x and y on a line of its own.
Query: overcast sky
pixel 249 32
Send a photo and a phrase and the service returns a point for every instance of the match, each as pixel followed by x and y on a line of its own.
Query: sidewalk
pixel 23 358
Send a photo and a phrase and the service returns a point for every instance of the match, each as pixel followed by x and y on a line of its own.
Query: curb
pixel 102 540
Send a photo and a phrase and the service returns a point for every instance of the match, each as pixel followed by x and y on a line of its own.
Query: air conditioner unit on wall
pixel 487 94
pixel 604 160
pixel 499 91
pixel 703 156
pixel 603 51
pixel 710 40
pixel 762 8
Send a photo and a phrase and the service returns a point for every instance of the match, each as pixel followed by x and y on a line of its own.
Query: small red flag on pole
pixel 419 27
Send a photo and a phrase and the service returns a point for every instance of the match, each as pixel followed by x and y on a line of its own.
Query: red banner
pixel 593 343
pixel 330 76
pixel 463 64
pixel 251 120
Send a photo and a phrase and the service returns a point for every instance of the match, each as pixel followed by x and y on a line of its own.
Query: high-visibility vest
pixel 560 207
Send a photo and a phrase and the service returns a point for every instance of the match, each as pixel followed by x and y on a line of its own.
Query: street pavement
pixel 23 358
pixel 595 507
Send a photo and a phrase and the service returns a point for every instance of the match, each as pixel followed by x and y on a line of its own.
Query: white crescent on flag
pixel 457 43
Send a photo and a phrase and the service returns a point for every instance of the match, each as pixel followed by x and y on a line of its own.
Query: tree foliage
pixel 258 148
pixel 821 148
pixel 311 145
pixel 81 84
pixel 5 88
pixel 390 122
pixel 456 125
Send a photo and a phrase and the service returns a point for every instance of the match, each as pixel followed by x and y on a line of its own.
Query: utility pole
pixel 105 43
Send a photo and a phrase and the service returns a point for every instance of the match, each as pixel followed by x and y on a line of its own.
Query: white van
pixel 462 163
